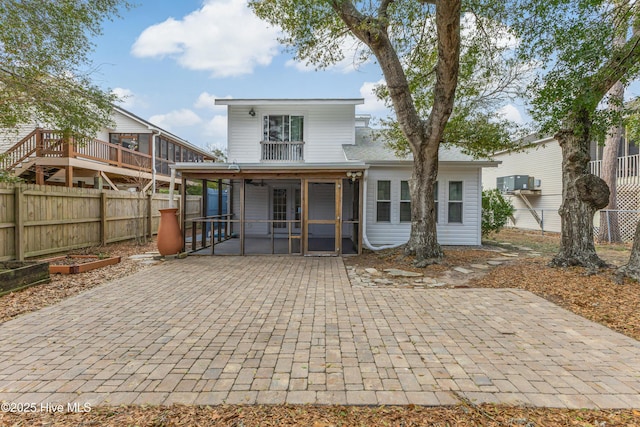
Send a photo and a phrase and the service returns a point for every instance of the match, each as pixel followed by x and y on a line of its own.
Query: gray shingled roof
pixel 370 149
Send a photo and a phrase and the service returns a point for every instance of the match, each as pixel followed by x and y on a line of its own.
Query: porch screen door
pixel 322 217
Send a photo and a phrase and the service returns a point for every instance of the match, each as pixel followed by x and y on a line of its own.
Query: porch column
pixel 242 189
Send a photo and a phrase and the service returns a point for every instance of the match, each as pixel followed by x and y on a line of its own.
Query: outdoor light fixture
pixel 252 112
pixel 353 175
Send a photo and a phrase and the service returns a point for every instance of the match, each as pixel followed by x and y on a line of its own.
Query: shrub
pixel 496 211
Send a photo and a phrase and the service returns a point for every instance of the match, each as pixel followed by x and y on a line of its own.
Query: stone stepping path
pixel 457 276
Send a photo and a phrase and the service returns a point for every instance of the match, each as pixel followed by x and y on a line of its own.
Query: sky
pixel 169 60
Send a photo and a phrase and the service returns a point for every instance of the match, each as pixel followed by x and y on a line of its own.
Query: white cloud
pixel 372 105
pixel 207 100
pixel 216 130
pixel 223 37
pixel 128 99
pixel 511 113
pixel 176 119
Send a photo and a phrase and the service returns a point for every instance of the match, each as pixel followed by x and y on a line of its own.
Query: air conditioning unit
pixel 515 182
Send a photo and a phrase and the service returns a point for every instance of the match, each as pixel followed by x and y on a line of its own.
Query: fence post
pixel 103 217
pixel 19 222
pixel 542 221
pixel 150 215
pixel 608 227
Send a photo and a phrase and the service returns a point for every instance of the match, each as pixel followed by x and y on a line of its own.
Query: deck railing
pixel 47 143
pixel 628 170
pixel 278 151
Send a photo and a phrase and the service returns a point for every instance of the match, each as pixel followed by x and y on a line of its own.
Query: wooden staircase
pixel 39 143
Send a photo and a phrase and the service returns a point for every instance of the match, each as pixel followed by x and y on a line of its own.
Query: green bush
pixel 6 176
pixel 496 211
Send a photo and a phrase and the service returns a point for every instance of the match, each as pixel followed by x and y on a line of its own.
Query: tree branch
pixel 616 68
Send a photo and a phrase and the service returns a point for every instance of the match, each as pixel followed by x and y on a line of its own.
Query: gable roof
pixel 371 149
pixel 290 101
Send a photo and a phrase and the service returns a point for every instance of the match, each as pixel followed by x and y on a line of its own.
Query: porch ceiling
pixel 264 170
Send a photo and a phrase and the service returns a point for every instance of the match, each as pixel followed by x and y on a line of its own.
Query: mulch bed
pixel 327 416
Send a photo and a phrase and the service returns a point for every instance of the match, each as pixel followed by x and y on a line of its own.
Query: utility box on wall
pixel 515 182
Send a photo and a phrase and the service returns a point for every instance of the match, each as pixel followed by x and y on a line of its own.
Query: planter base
pixel 83 263
pixel 15 275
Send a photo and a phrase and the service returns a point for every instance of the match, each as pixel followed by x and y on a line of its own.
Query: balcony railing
pixel 277 151
pixel 628 170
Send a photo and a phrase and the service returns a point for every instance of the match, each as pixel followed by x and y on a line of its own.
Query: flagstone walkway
pixel 272 330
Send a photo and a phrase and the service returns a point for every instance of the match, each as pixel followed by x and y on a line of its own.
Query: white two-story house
pixel 308 176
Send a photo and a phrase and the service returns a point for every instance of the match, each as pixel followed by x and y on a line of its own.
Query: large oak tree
pixel 573 41
pixel 418 46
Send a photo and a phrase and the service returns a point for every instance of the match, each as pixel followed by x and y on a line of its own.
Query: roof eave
pixel 290 101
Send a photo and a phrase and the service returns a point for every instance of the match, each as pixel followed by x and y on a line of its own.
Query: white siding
pixel 125 124
pixel 326 129
pixel 9 137
pixel 256 207
pixel 544 162
pixel 393 232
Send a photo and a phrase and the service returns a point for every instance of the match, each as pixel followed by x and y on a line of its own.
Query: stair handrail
pixel 20 151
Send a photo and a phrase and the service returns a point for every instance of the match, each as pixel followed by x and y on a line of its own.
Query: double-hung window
pixel 283 128
pixel 383 201
pixel 435 198
pixel 455 202
pixel 405 202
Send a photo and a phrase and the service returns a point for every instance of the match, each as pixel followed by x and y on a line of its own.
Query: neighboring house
pixel 308 176
pixel 539 170
pixel 135 153
pixel 532 180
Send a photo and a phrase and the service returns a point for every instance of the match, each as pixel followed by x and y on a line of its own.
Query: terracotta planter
pixel 169 235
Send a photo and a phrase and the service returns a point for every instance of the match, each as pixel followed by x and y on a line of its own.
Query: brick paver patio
pixel 277 330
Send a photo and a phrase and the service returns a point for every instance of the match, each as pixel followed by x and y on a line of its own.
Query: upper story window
pixel 283 128
pixel 282 138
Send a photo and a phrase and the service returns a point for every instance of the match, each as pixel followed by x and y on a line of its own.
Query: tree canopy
pixel 44 63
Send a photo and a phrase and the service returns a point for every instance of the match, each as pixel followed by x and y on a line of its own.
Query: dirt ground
pixel 594 296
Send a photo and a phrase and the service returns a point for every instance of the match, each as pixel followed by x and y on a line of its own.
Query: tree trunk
pixel 582 195
pixel 632 269
pixel 423 241
pixel 424 136
pixel 609 225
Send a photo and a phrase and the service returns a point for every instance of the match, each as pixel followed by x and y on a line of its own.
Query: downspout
pixel 172 184
pixel 154 132
pixel 365 240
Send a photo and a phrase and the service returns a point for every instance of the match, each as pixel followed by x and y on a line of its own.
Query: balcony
pixel 282 151
pixel 628 170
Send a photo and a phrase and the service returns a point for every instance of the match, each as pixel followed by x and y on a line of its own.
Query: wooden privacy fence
pixel 37 220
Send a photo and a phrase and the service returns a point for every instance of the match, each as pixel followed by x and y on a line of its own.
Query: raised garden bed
pixel 72 264
pixel 16 275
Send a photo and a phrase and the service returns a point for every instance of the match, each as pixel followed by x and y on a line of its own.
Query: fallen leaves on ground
pixel 327 416
pixel 66 285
